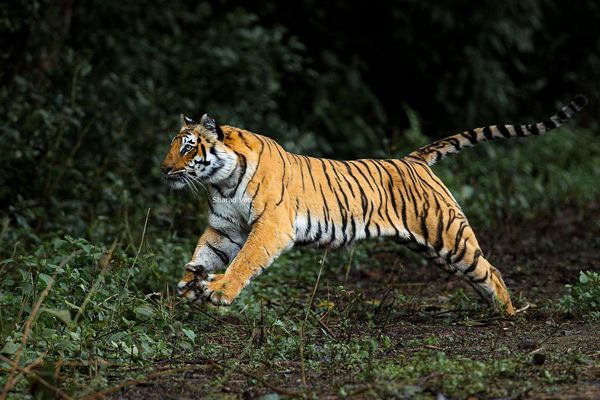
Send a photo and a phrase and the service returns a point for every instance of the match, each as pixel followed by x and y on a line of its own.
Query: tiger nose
pixel 181 287
pixel 166 169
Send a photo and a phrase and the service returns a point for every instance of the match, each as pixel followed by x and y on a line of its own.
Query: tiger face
pixel 198 154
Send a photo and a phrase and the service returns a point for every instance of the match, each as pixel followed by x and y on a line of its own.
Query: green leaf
pixel 117 337
pixel 10 348
pixel 144 311
pixel 76 307
pixel 189 333
pixel 185 345
pixel 583 278
pixel 62 315
pixel 45 278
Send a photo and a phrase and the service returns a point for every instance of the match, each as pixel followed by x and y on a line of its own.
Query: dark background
pixel 91 91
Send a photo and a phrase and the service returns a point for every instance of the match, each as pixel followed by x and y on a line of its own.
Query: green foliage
pixel 90 111
pixel 95 313
pixel 583 297
pixel 457 377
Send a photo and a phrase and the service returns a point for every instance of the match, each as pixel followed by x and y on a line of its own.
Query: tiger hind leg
pixel 481 275
pixel 484 278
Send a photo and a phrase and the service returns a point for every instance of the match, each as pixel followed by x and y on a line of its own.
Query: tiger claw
pixel 215 290
pixel 189 285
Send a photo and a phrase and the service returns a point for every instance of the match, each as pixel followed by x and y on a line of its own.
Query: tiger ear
pixel 186 122
pixel 212 127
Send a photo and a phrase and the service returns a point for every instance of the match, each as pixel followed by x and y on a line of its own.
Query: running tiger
pixel 263 200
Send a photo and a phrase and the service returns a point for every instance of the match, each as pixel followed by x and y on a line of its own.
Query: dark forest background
pixel 91 91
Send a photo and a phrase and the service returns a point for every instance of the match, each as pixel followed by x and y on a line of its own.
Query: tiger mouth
pixel 175 179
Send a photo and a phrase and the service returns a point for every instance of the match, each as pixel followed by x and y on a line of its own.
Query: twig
pixel 387 316
pixel 348 266
pixel 539 345
pixel 27 371
pixel 271 386
pixel 303 324
pixel 10 382
pixel 525 307
pixel 137 254
pixel 149 377
pixel 94 285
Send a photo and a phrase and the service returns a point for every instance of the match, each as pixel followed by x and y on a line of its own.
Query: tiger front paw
pixel 189 285
pixel 219 290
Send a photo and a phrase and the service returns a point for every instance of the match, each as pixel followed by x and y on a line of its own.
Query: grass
pixel 88 320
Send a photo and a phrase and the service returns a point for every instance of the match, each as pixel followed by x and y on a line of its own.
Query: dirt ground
pixel 537 259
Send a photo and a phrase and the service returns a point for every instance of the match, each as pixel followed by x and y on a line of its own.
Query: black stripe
pixel 391 188
pixel 471 135
pixel 362 173
pixel 224 217
pixel 425 206
pixel 301 168
pixel 503 130
pixel 487 132
pixel 325 209
pixel 318 234
pixel 282 192
pixel 332 238
pixel 533 129
pixel 243 165
pixel 310 171
pixel 549 124
pixel 309 224
pixel 474 263
pixel 221 254
pixel 363 197
pixel 410 192
pixel 438 245
pixel 348 184
pixel 562 116
pixel 458 256
pixel 221 233
pixel 454 142
pixel 258 217
pixel 241 136
pixel 379 191
pixel 519 130
pixel 353 226
pixel 378 167
pixel 256 192
pixel 481 280
pixel 260 153
pixel 338 180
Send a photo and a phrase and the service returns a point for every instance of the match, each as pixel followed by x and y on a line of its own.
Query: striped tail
pixel 453 144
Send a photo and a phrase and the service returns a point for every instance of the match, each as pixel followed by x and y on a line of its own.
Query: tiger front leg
pixel 266 241
pixel 214 250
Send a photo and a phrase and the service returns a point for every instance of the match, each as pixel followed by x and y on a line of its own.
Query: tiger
pixel 263 200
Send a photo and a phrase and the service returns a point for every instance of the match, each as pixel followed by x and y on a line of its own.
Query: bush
pixel 583 297
pixel 99 307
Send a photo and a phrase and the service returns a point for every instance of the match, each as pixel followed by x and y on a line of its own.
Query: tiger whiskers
pixel 193 189
pixel 197 180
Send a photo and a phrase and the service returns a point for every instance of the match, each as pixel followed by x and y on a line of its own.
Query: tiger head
pixel 198 154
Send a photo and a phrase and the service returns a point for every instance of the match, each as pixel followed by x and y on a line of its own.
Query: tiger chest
pixel 230 214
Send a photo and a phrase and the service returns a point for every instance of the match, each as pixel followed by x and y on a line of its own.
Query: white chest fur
pixel 230 213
